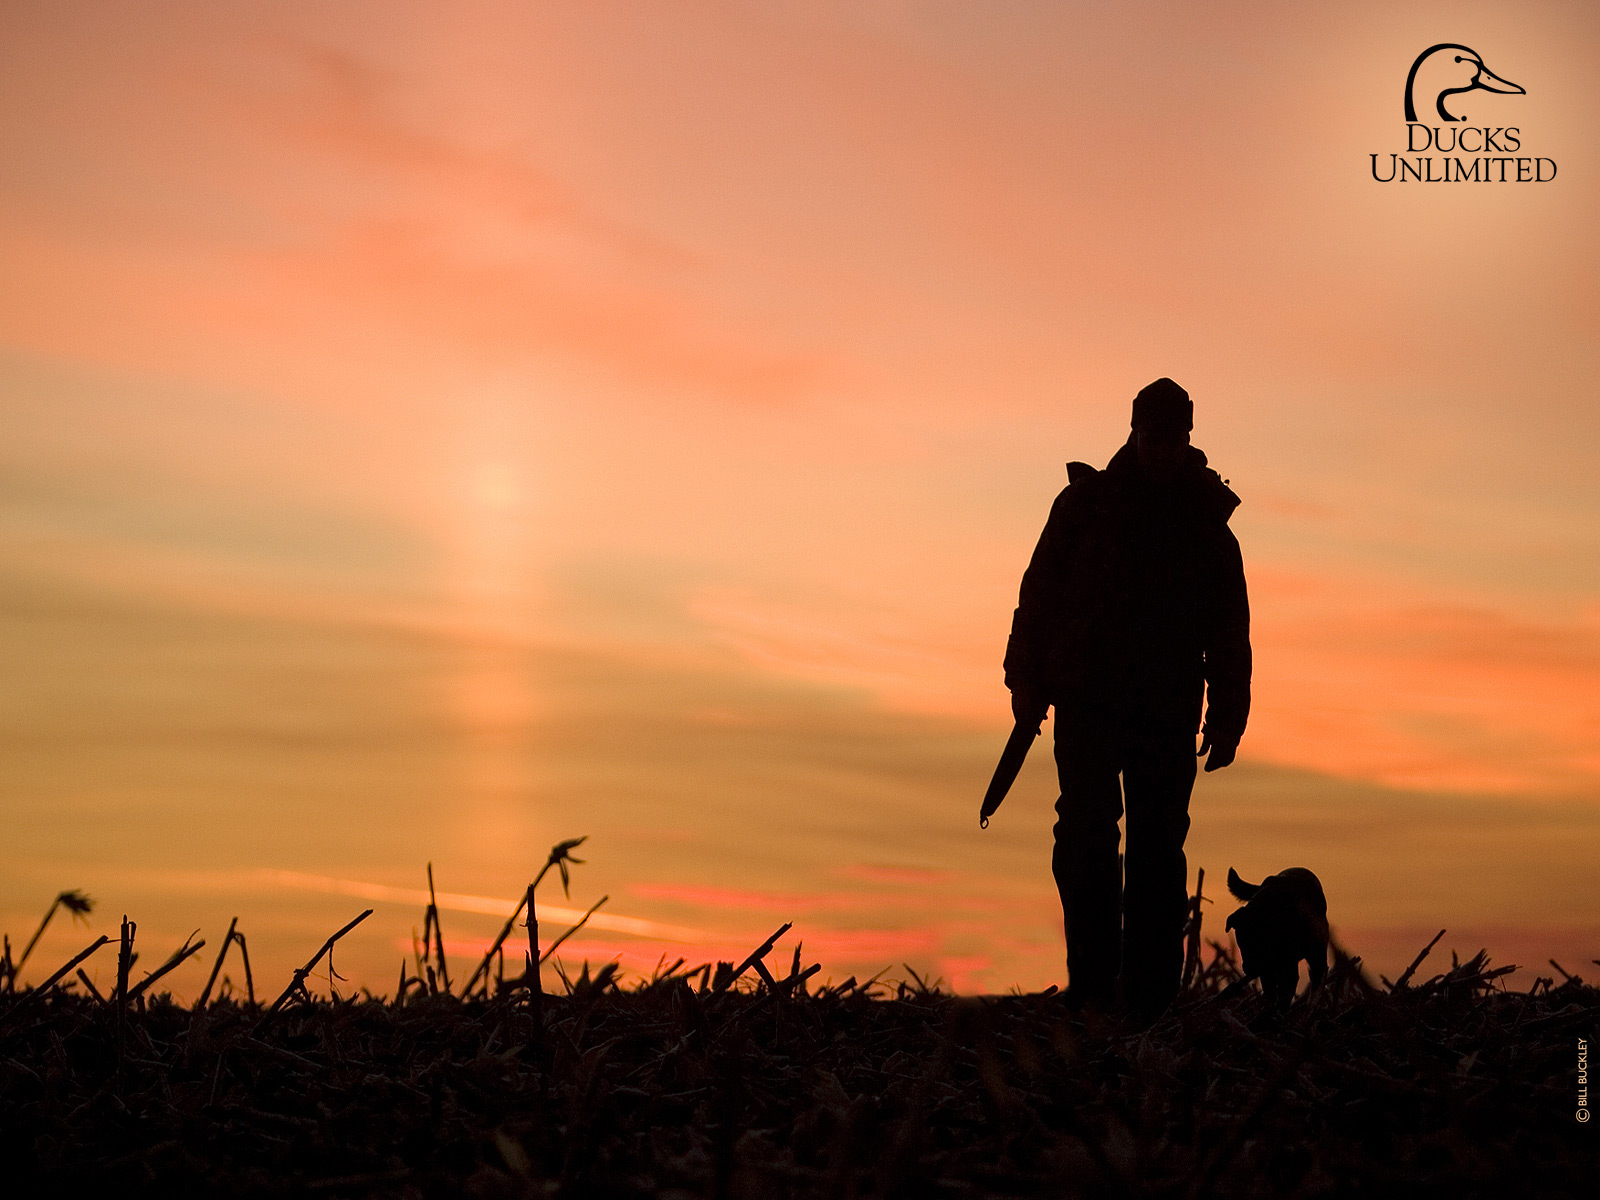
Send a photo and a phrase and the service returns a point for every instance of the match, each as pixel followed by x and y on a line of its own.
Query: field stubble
pixel 725 1080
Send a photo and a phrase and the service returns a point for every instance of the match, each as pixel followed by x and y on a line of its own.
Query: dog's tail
pixel 1239 887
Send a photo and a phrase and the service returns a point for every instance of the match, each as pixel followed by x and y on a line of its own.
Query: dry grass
pixel 731 1082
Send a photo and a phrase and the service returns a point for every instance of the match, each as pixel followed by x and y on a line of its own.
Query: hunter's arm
pixel 1028 648
pixel 1228 654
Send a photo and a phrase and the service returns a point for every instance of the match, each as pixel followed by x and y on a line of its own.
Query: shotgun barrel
pixel 1005 774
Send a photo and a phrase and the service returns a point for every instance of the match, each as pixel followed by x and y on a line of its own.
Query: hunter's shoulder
pixel 1083 473
pixel 1085 485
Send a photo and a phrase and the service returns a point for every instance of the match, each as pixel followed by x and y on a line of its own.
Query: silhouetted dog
pixel 1284 920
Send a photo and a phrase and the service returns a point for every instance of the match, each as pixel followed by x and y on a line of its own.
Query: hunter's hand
pixel 1221 754
pixel 1028 706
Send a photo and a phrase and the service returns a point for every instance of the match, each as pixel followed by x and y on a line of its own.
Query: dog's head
pixel 1288 906
pixel 1243 891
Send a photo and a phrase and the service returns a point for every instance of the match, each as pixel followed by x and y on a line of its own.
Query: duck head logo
pixel 1449 69
pixel 1452 151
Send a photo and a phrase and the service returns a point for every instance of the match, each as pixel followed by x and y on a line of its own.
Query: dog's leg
pixel 1317 966
pixel 1279 985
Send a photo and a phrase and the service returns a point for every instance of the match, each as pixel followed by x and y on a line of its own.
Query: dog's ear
pixel 1239 887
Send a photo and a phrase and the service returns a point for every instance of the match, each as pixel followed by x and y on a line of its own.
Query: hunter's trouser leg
pixel 1158 778
pixel 1087 870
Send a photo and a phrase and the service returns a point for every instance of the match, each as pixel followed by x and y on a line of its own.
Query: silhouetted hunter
pixel 1132 607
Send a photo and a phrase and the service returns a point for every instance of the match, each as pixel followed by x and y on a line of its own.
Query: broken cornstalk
pixel 299 980
pixel 216 967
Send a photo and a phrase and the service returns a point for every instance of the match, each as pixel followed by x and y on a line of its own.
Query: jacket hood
pixel 1197 479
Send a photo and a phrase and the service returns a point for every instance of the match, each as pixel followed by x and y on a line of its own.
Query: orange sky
pixel 432 431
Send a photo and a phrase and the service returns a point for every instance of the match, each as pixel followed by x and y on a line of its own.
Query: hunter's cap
pixel 1163 403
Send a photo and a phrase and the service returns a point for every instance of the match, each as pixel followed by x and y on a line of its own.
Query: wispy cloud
pixel 1364 678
